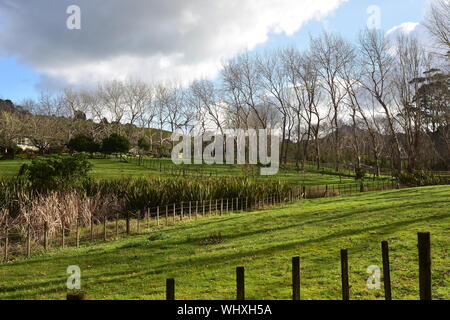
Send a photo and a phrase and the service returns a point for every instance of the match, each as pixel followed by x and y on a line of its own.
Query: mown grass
pixel 202 255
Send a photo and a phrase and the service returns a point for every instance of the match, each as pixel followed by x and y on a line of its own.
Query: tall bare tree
pixel 377 63
pixel 332 53
pixel 437 23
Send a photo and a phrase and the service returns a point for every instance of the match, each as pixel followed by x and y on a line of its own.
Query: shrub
pixel 144 145
pixel 57 171
pixel 360 173
pixel 420 178
pixel 83 143
pixel 115 143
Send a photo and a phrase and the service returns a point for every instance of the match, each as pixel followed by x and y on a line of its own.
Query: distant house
pixel 26 144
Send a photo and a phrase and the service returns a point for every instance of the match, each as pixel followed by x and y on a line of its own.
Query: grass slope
pixel 263 242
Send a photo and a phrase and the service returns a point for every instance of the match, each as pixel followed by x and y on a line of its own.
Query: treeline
pixel 369 102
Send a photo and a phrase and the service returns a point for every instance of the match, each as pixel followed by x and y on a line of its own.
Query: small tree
pixel 56 171
pixel 83 143
pixel 115 143
pixel 144 147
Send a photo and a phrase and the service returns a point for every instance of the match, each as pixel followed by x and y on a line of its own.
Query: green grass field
pixel 116 169
pixel 202 255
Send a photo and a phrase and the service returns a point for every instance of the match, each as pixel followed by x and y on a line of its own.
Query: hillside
pixel 202 255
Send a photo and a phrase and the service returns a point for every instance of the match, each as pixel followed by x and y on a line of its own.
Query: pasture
pixel 112 168
pixel 202 255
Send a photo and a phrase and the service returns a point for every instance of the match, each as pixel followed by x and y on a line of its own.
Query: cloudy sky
pixel 167 39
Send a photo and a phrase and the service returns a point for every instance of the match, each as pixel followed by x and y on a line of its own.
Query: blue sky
pixel 19 80
pixel 351 17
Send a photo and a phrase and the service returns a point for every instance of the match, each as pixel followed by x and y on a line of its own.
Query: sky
pixel 46 45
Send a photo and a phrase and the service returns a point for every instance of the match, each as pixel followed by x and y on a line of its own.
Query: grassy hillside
pixel 202 255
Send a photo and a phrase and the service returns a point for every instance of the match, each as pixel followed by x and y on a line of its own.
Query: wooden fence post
pixel 167 215
pixel 190 210
pixel 344 275
pixel 128 223
pixel 182 211
pixel 424 246
pixel 77 240
pixel 5 253
pixel 240 283
pixel 296 278
pixel 117 225
pixel 157 216
pixel 63 240
pixel 174 211
pixel 105 230
pixel 210 208
pixel 138 221
pixel 386 270
pixel 196 210
pixel 92 227
pixel 29 241
pixel 170 289
pixel 46 235
pixel 76 296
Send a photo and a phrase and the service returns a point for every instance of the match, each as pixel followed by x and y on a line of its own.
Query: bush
pixel 360 173
pixel 83 143
pixel 115 143
pixel 57 171
pixel 420 178
pixel 144 145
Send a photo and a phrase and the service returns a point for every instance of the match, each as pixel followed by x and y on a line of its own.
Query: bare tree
pixel 377 63
pixel 204 96
pixel 410 65
pixel 112 96
pixel 136 97
pixel 437 23
pixel 11 127
pixel 242 84
pixel 332 53
pixel 274 82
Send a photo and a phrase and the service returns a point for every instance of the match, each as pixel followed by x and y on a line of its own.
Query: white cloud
pixel 414 29
pixel 151 40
